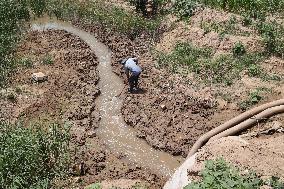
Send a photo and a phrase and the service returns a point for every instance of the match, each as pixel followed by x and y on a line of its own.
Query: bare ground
pixel 262 154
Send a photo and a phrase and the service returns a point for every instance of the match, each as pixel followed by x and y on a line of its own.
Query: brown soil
pixel 263 154
pixel 68 96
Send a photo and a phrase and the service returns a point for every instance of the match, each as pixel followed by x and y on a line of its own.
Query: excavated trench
pixel 120 138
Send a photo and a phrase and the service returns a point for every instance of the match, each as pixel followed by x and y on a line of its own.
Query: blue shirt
pixel 131 66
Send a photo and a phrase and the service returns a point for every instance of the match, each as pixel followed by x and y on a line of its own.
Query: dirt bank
pixel 68 96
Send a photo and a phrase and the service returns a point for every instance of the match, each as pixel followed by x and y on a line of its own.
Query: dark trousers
pixel 133 81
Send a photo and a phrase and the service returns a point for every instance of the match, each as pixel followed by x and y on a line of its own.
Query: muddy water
pixel 114 132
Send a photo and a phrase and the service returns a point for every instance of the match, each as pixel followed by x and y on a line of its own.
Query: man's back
pixel 132 66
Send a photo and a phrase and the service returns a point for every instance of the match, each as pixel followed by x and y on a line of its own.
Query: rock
pixel 163 106
pixel 39 77
pixel 222 104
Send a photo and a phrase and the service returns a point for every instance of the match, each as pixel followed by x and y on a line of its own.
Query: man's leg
pixel 136 80
pixel 131 83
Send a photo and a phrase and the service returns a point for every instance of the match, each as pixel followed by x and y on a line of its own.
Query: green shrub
pixel 239 49
pixel 273 39
pixel 111 17
pixel 32 157
pixel 254 98
pixel 218 174
pixel 25 62
pixel 94 186
pixel 47 60
pixel 254 70
pixel 184 8
pixel 12 12
pixel 38 6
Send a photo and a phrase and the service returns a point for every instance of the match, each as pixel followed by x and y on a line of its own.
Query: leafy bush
pixel 273 39
pixel 11 13
pixel 254 98
pixel 220 175
pixel 239 49
pixel 47 60
pixel 32 157
pixel 254 70
pixel 184 8
pixel 38 6
pixel 252 6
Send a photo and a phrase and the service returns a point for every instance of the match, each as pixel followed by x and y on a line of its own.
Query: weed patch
pixel 32 157
pixel 223 69
pixel 254 98
pixel 109 16
pixel 47 60
pixel 222 28
pixel 219 174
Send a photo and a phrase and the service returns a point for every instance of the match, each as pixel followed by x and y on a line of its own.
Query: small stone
pixel 163 106
pixel 77 180
pixel 39 77
pixel 91 134
pixel 222 104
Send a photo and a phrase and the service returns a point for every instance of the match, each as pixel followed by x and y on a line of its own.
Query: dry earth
pixel 262 154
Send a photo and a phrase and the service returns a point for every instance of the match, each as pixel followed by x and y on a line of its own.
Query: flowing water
pixel 113 131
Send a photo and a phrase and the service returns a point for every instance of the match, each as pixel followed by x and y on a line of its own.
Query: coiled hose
pixel 263 111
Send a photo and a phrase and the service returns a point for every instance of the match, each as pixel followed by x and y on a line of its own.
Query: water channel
pixel 113 131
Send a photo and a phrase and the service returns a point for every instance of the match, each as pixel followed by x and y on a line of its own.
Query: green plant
pixel 254 98
pixel 30 157
pixel 109 16
pixel 12 13
pixel 218 174
pixel 254 70
pixel 184 8
pixel 47 60
pixel 94 186
pixel 38 6
pixel 18 90
pixel 239 49
pixel 26 62
pixel 273 39
pixel 275 183
pixel 222 69
pixel 11 96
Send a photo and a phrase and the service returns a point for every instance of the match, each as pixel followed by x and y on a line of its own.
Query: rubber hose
pixel 204 138
pixel 246 124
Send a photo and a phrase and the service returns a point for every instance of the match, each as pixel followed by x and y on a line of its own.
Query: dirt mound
pixel 264 155
pixel 68 96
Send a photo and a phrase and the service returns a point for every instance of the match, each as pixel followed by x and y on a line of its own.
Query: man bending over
pixel 132 71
